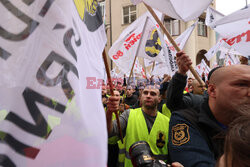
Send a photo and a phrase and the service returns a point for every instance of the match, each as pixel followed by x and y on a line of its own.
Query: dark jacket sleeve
pixel 176 100
pixel 186 144
pixel 175 92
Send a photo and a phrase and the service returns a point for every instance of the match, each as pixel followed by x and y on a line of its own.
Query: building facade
pixel 121 13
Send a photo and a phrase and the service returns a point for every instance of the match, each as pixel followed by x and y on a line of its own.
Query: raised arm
pixel 175 98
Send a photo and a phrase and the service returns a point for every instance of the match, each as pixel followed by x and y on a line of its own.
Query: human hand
pixel 183 62
pixel 176 164
pixel 113 104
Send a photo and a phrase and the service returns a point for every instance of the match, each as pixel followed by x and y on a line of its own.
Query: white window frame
pixel 130 13
pixel 202 28
pixel 172 23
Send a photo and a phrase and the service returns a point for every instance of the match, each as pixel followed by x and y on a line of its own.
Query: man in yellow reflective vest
pixel 144 123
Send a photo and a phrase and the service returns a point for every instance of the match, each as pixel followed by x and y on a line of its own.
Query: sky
pixel 229 6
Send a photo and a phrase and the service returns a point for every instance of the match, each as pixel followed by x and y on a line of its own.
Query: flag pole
pixel 131 71
pixel 172 41
pixel 137 51
pixel 111 91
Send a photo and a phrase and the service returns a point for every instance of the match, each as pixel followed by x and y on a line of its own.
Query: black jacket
pixel 203 142
pixel 176 100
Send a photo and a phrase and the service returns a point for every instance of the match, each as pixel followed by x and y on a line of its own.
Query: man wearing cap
pixel 196 132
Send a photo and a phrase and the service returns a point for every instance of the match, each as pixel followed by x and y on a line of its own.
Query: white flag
pixel 148 62
pixel 213 50
pixel 235 30
pixel 185 10
pixel 181 42
pixel 139 70
pixel 152 42
pixel 50 61
pixel 130 43
pixel 231 60
pixel 203 68
pixel 223 55
pixel 212 16
pixel 161 68
pixel 227 49
pixel 182 39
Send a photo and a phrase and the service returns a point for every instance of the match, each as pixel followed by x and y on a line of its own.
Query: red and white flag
pixel 203 68
pixel 141 39
pixel 50 114
pixel 231 59
pixel 139 70
pixel 235 30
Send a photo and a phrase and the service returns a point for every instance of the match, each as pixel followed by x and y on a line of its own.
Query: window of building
pixel 202 28
pixel 173 26
pixel 129 14
pixel 102 5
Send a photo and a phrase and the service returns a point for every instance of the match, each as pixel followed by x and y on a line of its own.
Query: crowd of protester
pixel 194 124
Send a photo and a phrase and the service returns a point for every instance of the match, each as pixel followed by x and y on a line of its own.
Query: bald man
pixel 197 88
pixel 197 134
pixel 144 123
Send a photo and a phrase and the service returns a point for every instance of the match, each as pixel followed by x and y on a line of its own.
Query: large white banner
pixel 51 114
pixel 185 10
pixel 235 30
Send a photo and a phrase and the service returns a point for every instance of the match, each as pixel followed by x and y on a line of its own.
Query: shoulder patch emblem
pixel 180 134
pixel 160 141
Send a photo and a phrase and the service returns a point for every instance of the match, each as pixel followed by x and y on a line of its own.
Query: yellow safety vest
pixel 166 111
pixel 137 131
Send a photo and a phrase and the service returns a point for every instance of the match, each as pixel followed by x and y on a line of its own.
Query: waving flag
pixel 181 42
pixel 185 10
pixel 213 50
pixel 139 70
pixel 148 62
pixel 212 16
pixel 161 68
pixel 151 46
pixel 231 59
pixel 203 68
pixel 235 30
pixel 50 112
pixel 141 38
